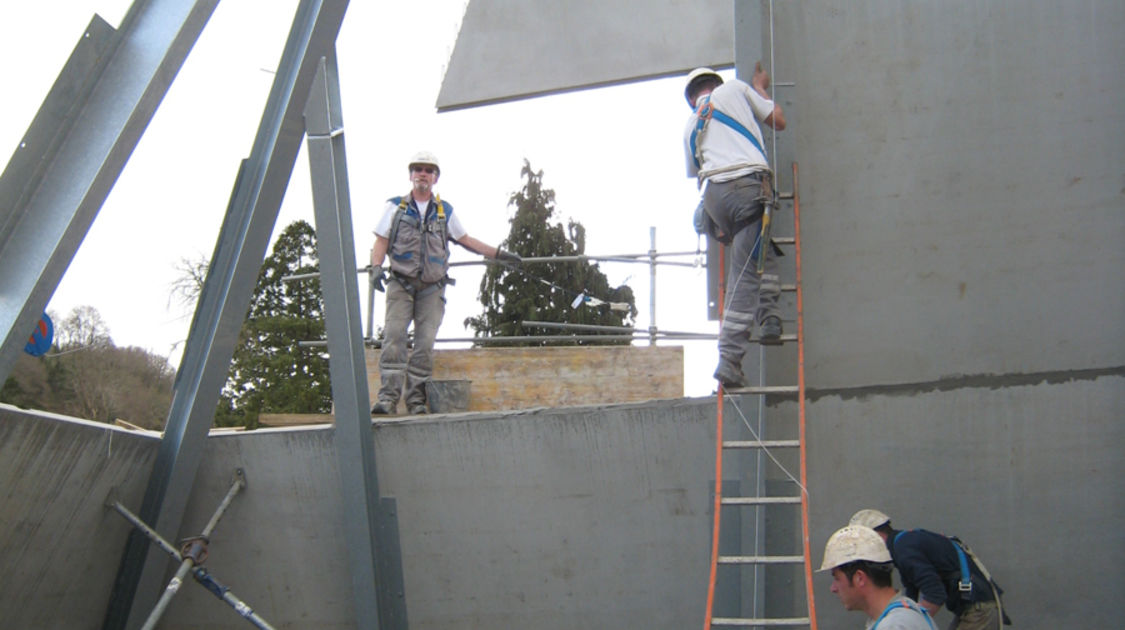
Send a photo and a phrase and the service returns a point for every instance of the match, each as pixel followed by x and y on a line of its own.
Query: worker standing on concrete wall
pixel 725 151
pixel 416 230
pixel 937 570
pixel 861 577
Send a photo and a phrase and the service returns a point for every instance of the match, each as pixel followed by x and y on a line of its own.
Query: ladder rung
pixel 763 389
pixel 784 240
pixel 778 621
pixel 784 337
pixel 762 444
pixel 788 287
pixel 785 195
pixel 759 500
pixel 761 559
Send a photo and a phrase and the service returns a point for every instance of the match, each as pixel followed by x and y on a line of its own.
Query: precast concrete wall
pixel 591 517
pixel 584 517
pixel 962 196
pixel 60 545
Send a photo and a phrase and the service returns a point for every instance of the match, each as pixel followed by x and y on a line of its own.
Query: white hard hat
pixel 697 74
pixel 869 518
pixel 425 157
pixel 851 543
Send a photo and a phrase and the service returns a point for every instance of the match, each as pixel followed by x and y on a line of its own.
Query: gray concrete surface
pixel 59 545
pixel 511 50
pixel 594 517
pixel 962 186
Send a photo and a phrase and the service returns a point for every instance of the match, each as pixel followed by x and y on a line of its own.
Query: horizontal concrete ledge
pixel 967 381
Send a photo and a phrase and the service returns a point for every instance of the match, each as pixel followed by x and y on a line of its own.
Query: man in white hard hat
pixel 861 577
pixel 415 230
pixel 725 151
pixel 939 570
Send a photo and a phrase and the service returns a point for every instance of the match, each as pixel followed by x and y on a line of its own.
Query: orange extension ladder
pixel 731 508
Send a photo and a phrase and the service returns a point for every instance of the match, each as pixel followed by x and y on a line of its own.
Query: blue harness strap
pixel 705 112
pixel 901 604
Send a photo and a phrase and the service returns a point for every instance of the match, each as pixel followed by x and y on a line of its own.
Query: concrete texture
pixel 59 545
pixel 591 517
pixel 1030 476
pixel 510 50
pixel 962 186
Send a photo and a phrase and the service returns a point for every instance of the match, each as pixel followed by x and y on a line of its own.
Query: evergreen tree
pixel 270 371
pixel 546 291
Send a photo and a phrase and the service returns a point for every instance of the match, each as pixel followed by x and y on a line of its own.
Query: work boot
pixel 769 332
pixel 418 409
pixel 383 408
pixel 729 373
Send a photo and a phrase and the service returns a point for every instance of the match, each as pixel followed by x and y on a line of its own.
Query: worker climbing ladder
pixel 758 577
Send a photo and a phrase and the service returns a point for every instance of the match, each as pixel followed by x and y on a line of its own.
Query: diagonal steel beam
pixel 223 303
pixel 372 550
pixel 77 146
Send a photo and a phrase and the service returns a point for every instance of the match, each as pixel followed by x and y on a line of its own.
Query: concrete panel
pixel 59 544
pixel 511 49
pixel 584 518
pixel 963 190
pixel 1030 476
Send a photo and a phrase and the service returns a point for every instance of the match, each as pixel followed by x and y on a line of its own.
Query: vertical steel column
pixel 234 268
pixel 372 583
pixel 77 146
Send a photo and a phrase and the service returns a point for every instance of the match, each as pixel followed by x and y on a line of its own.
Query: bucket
pixel 448 396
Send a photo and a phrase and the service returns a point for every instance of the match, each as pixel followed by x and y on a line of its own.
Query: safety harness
pixel 904 604
pixel 965 583
pixel 704 112
pixel 428 254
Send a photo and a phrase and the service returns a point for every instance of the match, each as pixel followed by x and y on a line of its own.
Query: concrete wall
pixel 59 545
pixel 583 517
pixel 962 187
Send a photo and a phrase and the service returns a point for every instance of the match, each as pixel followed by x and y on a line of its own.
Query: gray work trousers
pixel 426 308
pixel 736 208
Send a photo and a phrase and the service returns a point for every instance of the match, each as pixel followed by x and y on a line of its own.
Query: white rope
pixel 764 448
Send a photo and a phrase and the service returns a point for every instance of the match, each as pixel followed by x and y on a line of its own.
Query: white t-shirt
pixel 722 148
pixel 453 225
pixel 907 617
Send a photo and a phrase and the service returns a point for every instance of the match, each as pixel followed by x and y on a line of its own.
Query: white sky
pixel 612 155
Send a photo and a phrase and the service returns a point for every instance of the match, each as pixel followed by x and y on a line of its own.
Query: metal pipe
pixel 582 258
pixel 188 561
pixel 686 336
pixel 567 326
pixel 652 285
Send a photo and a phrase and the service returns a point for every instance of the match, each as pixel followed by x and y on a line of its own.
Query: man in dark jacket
pixel 937 570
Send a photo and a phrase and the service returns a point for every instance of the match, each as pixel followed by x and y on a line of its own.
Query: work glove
pixel 506 256
pixel 379 279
